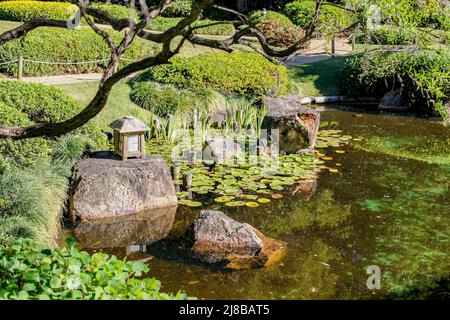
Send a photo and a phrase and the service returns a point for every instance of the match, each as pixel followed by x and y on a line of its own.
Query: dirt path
pixel 64 79
pixel 318 50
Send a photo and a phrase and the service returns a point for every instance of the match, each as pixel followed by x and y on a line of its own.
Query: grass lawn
pixel 119 103
pixel 316 79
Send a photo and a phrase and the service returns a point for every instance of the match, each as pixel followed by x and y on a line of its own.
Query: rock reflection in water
pixel 127 232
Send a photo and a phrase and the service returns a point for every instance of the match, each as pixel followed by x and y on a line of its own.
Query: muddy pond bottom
pixel 388 205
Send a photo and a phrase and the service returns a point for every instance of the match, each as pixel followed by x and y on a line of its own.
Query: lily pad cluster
pixel 250 185
pixel 332 138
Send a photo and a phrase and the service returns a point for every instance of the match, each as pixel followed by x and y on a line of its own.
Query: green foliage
pixel 388 35
pixel 331 18
pixel 30 270
pixel 241 73
pixel 178 8
pixel 23 152
pixel 394 35
pixel 62 45
pixel 27 103
pixel 25 10
pixel 277 29
pixel 424 74
pixel 41 103
pixel 257 17
pixel 164 23
pixel 116 11
pixel 163 100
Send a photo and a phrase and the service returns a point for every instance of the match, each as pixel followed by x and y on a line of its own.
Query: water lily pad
pixel 235 204
pixel 263 200
pixel 340 151
pixel 224 199
pixel 277 196
pixel 190 203
pixel 252 204
pixel 182 194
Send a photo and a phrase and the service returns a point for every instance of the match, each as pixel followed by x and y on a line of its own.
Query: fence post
pixel 333 47
pixel 19 68
pixel 353 41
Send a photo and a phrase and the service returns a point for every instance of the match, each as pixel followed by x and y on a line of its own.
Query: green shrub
pixel 62 45
pixel 277 29
pixel 26 152
pixel 163 23
pixel 30 270
pixel 42 103
pixel 116 11
pixel 302 12
pixel 424 74
pixel 393 35
pixel 257 17
pixel 25 10
pixel 241 73
pixel 163 100
pixel 178 8
pixel 388 35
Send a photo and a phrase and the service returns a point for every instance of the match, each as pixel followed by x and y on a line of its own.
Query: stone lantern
pixel 129 137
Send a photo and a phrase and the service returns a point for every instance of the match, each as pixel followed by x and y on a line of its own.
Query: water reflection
pixel 127 232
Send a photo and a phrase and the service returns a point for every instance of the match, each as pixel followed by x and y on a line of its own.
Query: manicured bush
pixel 30 270
pixel 163 100
pixel 425 76
pixel 42 103
pixel 277 29
pixel 301 13
pixel 25 10
pixel 163 23
pixel 178 8
pixel 62 45
pixel 242 73
pixel 116 11
pixel 26 152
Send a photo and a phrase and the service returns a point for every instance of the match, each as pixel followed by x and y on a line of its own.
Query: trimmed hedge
pixel 26 152
pixel 241 73
pixel 163 23
pixel 116 11
pixel 62 45
pixel 178 8
pixel 277 29
pixel 301 13
pixel 425 76
pixel 25 10
pixel 40 103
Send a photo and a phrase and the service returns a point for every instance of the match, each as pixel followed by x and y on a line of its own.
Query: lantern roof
pixel 128 124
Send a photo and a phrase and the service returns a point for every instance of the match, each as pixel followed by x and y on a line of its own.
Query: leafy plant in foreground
pixel 30 270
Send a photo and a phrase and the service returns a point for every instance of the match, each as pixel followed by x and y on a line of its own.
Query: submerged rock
pixel 298 125
pixel 216 238
pixel 141 228
pixel 395 100
pixel 218 149
pixel 105 188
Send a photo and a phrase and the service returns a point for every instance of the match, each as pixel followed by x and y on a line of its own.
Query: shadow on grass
pixel 320 78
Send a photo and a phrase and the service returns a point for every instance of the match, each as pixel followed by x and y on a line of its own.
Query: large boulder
pixel 104 187
pixel 142 228
pixel 216 238
pixel 298 125
pixel 219 149
pixel 395 101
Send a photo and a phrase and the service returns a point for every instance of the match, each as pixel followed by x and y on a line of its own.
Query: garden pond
pixel 386 202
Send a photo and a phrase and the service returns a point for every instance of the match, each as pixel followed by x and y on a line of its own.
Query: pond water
pixel 378 209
